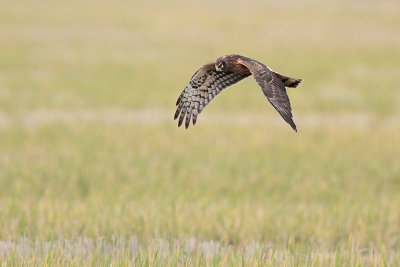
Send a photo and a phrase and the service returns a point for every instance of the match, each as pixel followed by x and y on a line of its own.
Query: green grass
pixel 94 171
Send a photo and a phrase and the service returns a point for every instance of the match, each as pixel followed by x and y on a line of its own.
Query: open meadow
pixel 94 170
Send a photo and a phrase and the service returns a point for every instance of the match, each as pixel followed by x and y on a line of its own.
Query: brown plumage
pixel 209 80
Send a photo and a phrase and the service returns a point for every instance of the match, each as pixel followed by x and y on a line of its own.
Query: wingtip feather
pixel 187 122
pixel 293 126
pixel 176 114
pixel 182 117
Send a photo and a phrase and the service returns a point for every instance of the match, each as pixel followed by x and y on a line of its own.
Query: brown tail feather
pixel 288 81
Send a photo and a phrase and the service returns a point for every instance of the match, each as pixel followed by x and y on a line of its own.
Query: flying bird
pixel 213 77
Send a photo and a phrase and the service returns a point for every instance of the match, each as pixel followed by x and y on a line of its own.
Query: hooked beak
pixel 218 68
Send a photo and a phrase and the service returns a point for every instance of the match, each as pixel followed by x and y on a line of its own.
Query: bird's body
pixel 210 79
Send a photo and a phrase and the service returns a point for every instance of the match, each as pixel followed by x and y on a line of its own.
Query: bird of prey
pixel 213 77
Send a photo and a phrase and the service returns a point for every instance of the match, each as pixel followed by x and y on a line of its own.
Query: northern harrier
pixel 209 80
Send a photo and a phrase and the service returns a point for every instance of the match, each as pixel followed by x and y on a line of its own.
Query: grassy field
pixel 94 171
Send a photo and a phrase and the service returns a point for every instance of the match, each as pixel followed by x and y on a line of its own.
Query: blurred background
pixel 89 147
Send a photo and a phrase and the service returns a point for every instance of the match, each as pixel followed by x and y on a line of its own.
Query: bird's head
pixel 226 63
pixel 221 64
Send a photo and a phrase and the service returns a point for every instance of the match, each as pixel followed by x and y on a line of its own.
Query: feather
pixel 204 86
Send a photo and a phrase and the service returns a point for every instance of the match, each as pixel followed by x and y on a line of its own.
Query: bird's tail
pixel 288 81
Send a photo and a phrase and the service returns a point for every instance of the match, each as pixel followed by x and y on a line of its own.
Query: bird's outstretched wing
pixel 272 87
pixel 205 85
